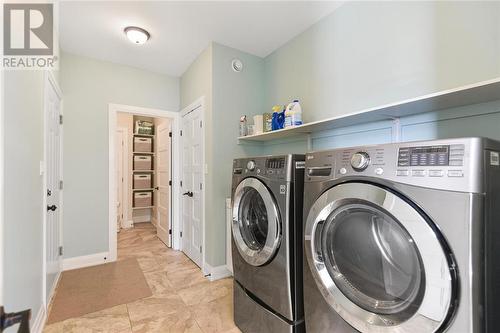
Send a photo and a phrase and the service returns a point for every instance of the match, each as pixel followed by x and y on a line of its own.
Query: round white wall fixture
pixel 237 65
pixel 137 35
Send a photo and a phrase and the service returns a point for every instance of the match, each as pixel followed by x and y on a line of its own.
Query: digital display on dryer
pixel 424 156
pixel 275 163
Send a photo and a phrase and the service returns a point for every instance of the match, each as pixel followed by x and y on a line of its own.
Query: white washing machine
pixel 403 238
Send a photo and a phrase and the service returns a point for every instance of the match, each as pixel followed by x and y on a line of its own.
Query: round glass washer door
pixel 376 260
pixel 256 223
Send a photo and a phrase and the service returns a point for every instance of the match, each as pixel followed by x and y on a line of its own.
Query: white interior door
pixel 53 178
pixel 163 153
pixel 192 184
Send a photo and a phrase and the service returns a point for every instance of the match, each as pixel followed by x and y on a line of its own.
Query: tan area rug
pixel 91 289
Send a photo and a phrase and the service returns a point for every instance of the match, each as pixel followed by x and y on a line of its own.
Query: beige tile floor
pixel 183 300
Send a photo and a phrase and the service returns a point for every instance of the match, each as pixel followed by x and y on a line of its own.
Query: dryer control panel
pixel 452 164
pixel 440 155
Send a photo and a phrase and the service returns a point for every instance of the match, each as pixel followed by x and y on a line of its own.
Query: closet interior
pixel 143 172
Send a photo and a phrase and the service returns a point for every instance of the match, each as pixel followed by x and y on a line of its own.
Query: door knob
pixel 52 208
pixel 188 193
pixel 157 188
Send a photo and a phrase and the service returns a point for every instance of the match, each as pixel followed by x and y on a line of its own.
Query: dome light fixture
pixel 137 35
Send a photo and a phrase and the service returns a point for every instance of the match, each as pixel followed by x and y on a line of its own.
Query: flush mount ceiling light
pixel 237 65
pixel 137 35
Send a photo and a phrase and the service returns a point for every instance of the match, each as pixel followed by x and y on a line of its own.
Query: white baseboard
pixel 39 322
pixel 52 290
pixel 85 261
pixel 218 272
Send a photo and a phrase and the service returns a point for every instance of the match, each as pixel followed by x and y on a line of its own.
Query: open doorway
pixel 143 151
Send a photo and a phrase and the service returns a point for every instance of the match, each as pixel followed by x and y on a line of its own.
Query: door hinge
pixel 61 184
pixel 200 248
pixel 201 186
pixel 181 132
pixel 169 231
pixel 181 233
pixel 60 119
pixel 170 134
pixel 169 183
pixel 201 123
pixel 181 183
pixel 60 250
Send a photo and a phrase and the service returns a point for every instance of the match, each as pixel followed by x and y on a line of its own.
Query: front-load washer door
pixel 377 261
pixel 256 222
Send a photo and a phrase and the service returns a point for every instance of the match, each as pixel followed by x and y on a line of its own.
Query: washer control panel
pixel 264 166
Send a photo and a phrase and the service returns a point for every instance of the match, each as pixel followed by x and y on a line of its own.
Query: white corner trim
pixel 39 322
pixel 85 261
pixel 218 272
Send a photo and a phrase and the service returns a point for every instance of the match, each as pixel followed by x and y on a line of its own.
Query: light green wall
pixel 88 86
pixel 370 53
pixel 367 54
pixel 234 94
pixel 23 211
pixel 227 96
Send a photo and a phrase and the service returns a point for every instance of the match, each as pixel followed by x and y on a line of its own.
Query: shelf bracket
pixel 396 130
pixel 309 141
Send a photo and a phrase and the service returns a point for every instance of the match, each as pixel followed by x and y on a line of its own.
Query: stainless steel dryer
pixel 403 238
pixel 267 195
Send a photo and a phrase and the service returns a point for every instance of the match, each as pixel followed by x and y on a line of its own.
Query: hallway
pixel 183 300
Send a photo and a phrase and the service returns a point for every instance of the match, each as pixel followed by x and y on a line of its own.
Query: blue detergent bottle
pixel 278 121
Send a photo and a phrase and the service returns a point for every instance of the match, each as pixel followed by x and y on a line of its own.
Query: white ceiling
pixel 180 30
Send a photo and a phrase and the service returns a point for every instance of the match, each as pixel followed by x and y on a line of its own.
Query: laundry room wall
pixel 88 86
pixel 227 96
pixel 23 102
pixel 367 54
pixel 234 94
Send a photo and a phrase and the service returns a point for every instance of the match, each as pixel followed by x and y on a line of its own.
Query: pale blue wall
pixel 23 211
pixel 234 94
pixel 88 86
pixel 372 53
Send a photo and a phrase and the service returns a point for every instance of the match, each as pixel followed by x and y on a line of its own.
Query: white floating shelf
pixel 145 171
pixel 143 189
pixel 481 92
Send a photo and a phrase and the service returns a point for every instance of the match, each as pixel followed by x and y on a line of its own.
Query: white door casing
pixel 113 110
pixel 121 177
pixel 53 188
pixel 163 169
pixel 192 175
